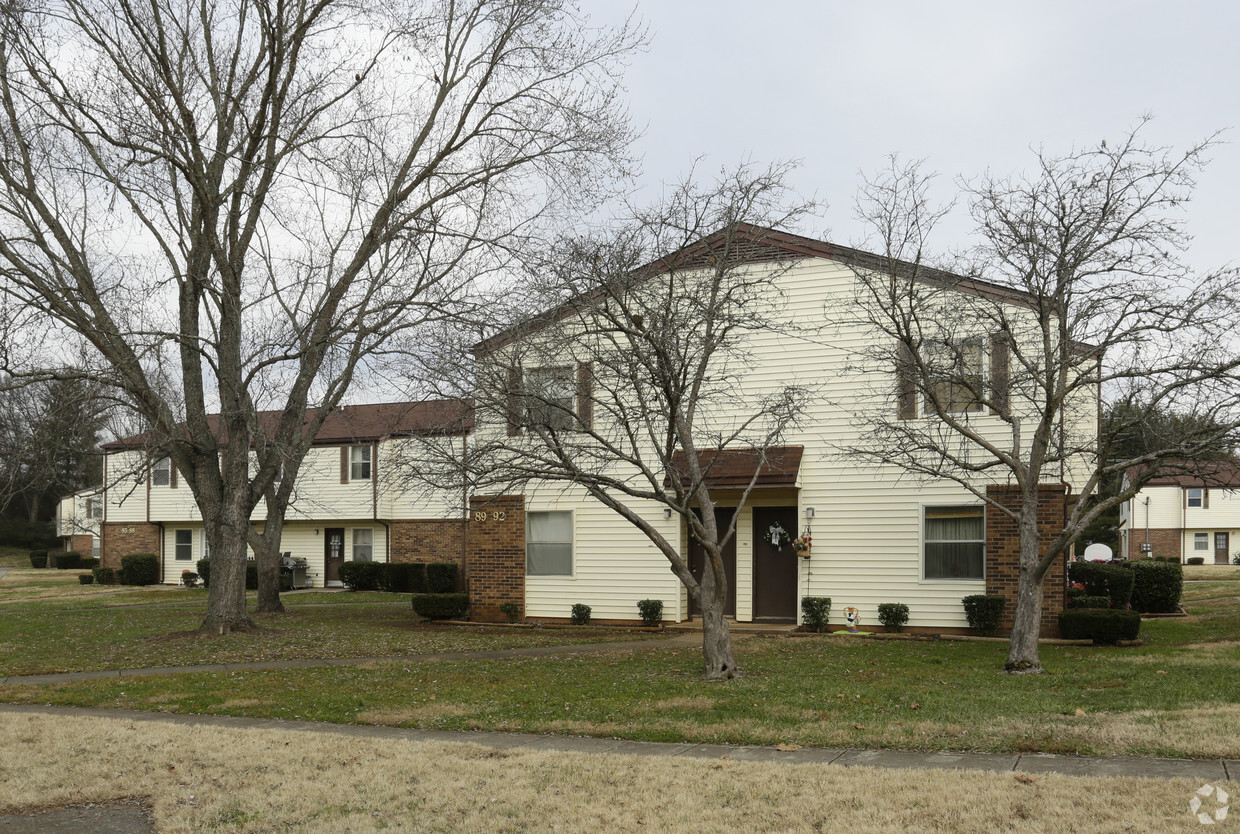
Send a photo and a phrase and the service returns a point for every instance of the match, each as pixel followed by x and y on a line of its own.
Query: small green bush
pixel 1099 625
pixel 984 612
pixel 1090 602
pixel 190 579
pixel 38 558
pixel 440 606
pixel 204 571
pixel 140 569
pixel 442 577
pixel 651 611
pixel 361 576
pixel 89 563
pixel 1103 579
pixel 510 610
pixel 86 579
pixel 1196 560
pixel 402 577
pixel 580 614
pixel 69 560
pixel 104 576
pixel 815 612
pixel 1157 586
pixel 893 615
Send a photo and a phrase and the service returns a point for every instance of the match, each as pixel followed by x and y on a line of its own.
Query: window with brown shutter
pixel 906 390
pixel 999 380
pixel 585 395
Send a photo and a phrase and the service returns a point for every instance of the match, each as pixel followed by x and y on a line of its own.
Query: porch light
pixel 809 512
pixel 667 512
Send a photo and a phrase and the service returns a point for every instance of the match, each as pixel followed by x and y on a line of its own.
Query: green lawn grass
pixel 14 557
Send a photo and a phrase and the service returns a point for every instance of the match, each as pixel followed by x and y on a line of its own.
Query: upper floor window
pixel 359 463
pixel 549 397
pixel 1195 498
pixel 958 375
pixel 94 508
pixel 955 542
pixel 161 473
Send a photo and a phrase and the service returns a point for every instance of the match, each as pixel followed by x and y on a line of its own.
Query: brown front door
pixel 723 517
pixel 333 553
pixel 1221 547
pixel 774 568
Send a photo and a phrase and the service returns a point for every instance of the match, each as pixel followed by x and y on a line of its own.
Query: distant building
pixel 1185 515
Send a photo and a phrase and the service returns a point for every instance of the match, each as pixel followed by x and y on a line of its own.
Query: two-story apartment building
pixel 878 535
pixel 1193 511
pixel 77 521
pixel 351 502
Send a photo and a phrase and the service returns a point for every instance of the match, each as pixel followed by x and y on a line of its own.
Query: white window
pixel 206 546
pixel 1196 498
pixel 955 542
pixel 549 544
pixel 1201 541
pixel 161 475
pixel 185 546
pixel 363 544
pixel 957 376
pixel 359 463
pixel 94 508
pixel 549 397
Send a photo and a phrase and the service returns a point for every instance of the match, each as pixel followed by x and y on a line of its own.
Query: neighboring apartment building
pixel 77 521
pixel 879 536
pixel 351 502
pixel 1185 515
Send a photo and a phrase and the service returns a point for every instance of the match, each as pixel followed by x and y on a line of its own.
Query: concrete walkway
pixel 316 663
pixel 1212 770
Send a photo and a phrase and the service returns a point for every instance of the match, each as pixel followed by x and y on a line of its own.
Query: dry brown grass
pixel 1211 572
pixel 250 780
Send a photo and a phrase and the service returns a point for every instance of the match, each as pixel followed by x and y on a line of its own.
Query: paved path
pixel 315 663
pixel 1206 770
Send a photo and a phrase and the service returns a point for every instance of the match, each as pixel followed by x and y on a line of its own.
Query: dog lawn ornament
pixel 853 616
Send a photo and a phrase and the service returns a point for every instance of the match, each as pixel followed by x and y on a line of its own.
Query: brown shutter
pixel 172 474
pixel 512 401
pixel 1205 498
pixel 999 375
pixel 906 390
pixel 344 464
pixel 585 394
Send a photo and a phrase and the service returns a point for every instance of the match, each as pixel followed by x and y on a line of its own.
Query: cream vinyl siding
pixel 868 524
pixel 299 538
pixel 319 493
pixel 126 485
pixel 1167 510
pixel 402 496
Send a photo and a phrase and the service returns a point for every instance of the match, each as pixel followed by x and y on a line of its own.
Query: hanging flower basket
pixel 801 545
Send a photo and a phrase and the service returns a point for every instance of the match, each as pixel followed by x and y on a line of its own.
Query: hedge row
pixel 401 577
pixel 441 606
pixel 1102 625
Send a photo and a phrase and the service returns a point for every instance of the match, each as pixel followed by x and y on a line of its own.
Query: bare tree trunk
pixel 226 610
pixel 268 558
pixel 1027 621
pixel 716 638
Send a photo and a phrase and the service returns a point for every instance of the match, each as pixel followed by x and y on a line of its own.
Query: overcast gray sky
pixel 968 85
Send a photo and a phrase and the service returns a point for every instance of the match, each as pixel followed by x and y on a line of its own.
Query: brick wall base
pixel 121 538
pixel 430 540
pixel 496 563
pixel 1003 552
pixel 1164 542
pixel 82 543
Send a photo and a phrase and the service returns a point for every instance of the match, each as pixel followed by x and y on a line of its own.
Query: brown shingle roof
pixel 1208 473
pixel 353 423
pixel 735 467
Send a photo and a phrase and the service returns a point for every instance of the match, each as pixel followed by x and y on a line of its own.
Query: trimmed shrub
pixel 440 606
pixel 38 558
pixel 204 571
pixel 442 577
pixel 815 612
pixel 190 579
pixel 510 610
pixel 104 576
pixel 86 579
pixel 893 615
pixel 361 576
pixel 69 560
pixel 1157 586
pixel 140 569
pixel 1099 625
pixel 580 614
pixel 1196 560
pixel 402 577
pixel 1103 579
pixel 89 563
pixel 651 611
pixel 984 612
pixel 1090 602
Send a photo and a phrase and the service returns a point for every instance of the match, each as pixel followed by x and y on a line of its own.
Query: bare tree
pixel 629 383
pixel 1076 296
pixel 243 205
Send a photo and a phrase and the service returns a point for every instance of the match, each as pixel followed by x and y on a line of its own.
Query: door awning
pixel 777 466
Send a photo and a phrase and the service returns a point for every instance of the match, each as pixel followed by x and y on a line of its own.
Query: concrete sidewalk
pixel 1208 770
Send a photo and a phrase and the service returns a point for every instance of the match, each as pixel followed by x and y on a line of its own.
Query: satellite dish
pixel 1098 553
